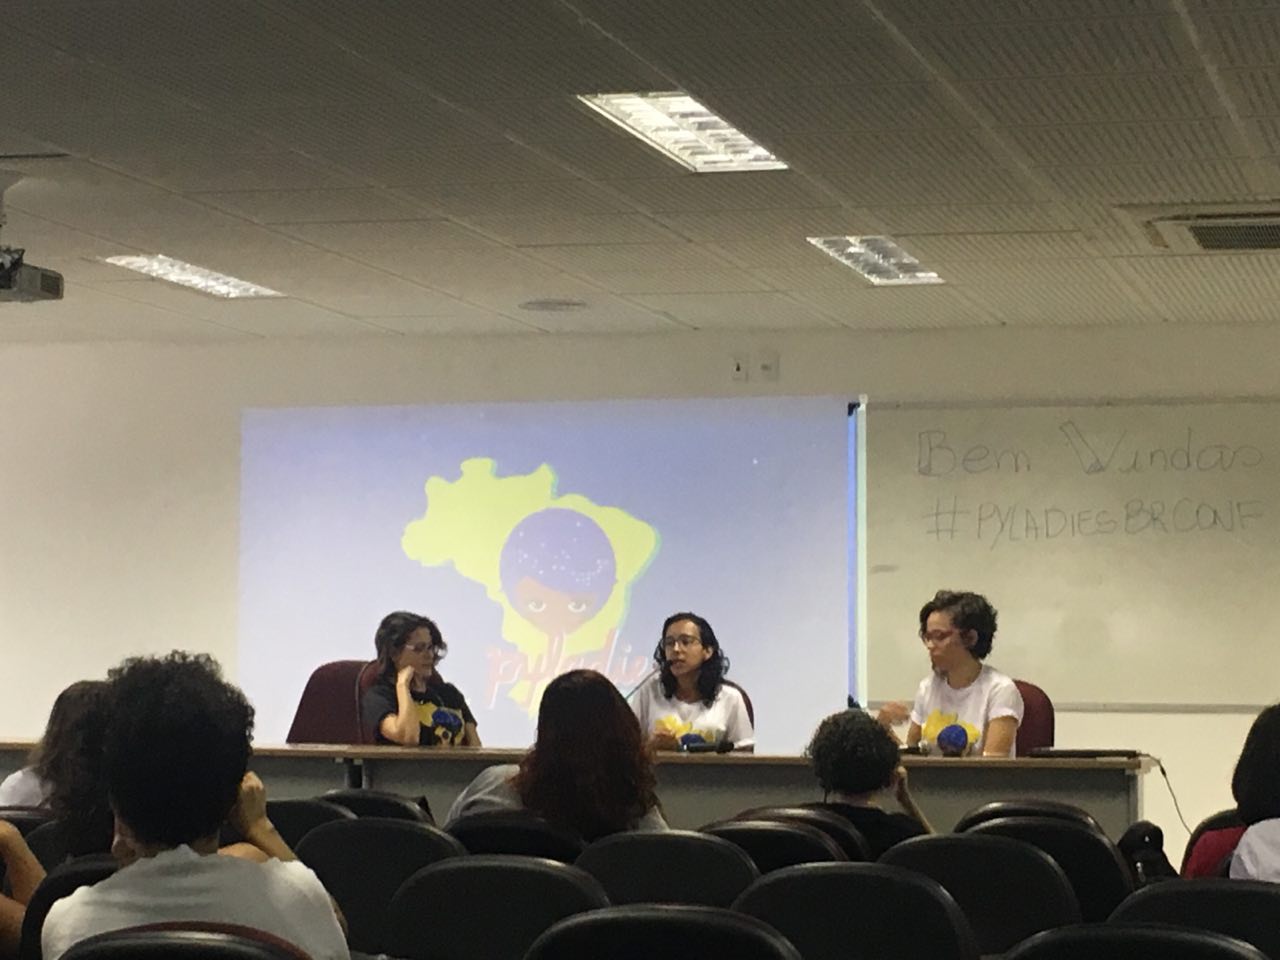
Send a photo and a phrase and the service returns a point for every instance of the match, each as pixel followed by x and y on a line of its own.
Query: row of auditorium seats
pixel 1051 860
pixel 505 907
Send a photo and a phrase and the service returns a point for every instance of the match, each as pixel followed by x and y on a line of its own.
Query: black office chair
pixel 1098 874
pixel 182 941
pixel 844 833
pixel 772 844
pixel 485 907
pixel 379 803
pixel 1122 941
pixel 362 862
pixel 644 932
pixel 63 880
pixel 517 832
pixel 834 911
pixel 998 809
pixel 1248 910
pixel 678 866
pixel 985 875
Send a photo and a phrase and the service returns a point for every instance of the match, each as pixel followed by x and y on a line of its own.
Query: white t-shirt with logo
pixel 282 898
pixel 991 695
pixel 1257 855
pixel 725 719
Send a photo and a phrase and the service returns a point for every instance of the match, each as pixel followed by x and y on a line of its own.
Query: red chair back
pixel 1036 729
pixel 329 710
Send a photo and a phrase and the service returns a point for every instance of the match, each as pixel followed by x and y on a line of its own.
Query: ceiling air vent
pixel 1234 229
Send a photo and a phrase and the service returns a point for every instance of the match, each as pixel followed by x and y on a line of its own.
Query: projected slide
pixel 544 537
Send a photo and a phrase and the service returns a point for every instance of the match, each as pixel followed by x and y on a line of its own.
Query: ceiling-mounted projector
pixel 24 282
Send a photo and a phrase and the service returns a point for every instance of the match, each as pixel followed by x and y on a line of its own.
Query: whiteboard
pixel 1132 551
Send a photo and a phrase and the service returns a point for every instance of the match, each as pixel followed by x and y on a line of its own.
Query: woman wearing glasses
pixel 962 693
pixel 410 704
pixel 688 702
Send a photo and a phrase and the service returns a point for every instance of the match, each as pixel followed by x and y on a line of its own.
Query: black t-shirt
pixel 880 829
pixel 442 712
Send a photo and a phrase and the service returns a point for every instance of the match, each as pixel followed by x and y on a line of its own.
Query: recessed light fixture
pixel 879 259
pixel 189 275
pixel 684 130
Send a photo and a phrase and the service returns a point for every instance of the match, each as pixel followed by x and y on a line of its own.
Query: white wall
pixel 119 466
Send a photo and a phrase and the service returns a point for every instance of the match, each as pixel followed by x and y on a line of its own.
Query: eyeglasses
pixel 439 649
pixel 937 637
pixel 684 642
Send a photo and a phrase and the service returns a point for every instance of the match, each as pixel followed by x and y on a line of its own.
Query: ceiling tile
pixel 519 199
pixel 780 189
pixel 899 308
pixel 720 280
pixel 970 218
pixel 607 258
pixel 312 206
pixel 553 229
pixel 1135 99
pixel 452 163
pixel 1106 143
pixel 243 171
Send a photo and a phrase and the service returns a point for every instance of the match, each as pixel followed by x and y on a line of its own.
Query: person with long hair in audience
pixel 58 755
pixel 410 704
pixel 589 770
pixel 687 701
pixel 961 693
pixel 856 761
pixel 1256 787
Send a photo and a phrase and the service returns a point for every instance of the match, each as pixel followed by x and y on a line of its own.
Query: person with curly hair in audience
pixel 176 753
pixel 688 702
pixel 856 761
pixel 1256 787
pixel 588 772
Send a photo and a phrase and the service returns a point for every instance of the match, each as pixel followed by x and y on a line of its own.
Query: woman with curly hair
pixel 588 771
pixel 856 760
pixel 688 702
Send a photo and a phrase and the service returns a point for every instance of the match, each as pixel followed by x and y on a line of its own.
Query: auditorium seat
pixel 329 709
pixel 26 819
pixel 644 932
pixel 1246 909
pixel 379 803
pixel 839 829
pixel 1228 819
pixel 517 832
pixel 485 907
pixel 986 875
pixel 295 818
pixel 1119 941
pixel 61 881
pixel 676 866
pixel 1036 728
pixel 1098 874
pixel 838 911
pixel 186 940
pixel 997 809
pixel 363 862
pixel 772 844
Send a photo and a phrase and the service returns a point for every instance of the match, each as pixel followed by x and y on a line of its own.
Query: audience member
pixel 175 755
pixel 588 771
pixel 57 751
pixel 410 704
pixel 23 874
pixel 1256 787
pixel 856 759
pixel 688 702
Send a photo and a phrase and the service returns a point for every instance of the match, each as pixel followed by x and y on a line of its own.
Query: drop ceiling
pixel 401 167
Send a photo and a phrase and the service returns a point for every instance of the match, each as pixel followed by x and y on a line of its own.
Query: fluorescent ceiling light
pixel 684 130
pixel 878 259
pixel 189 275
